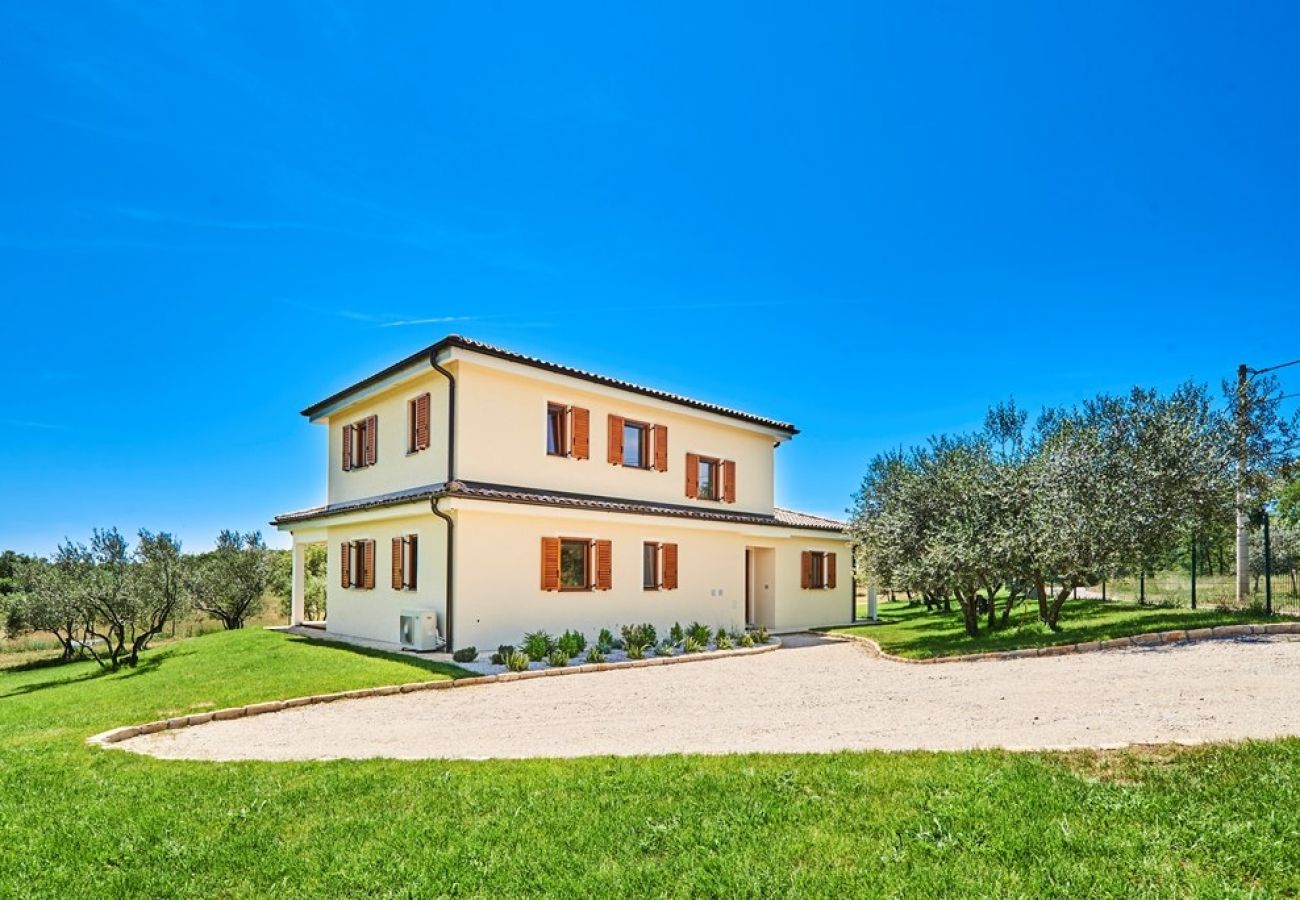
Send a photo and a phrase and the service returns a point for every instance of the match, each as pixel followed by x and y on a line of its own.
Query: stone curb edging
pixel 117 735
pixel 1155 638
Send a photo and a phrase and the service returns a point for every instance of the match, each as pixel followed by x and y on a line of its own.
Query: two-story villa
pixel 509 494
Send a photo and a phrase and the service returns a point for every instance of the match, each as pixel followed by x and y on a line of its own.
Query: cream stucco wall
pixel 499 596
pixel 374 613
pixel 501 438
pixel 395 469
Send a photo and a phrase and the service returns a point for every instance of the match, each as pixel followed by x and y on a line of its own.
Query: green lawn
pixel 914 632
pixel 77 821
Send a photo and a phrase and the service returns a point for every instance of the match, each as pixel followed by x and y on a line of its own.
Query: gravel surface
pixel 813 695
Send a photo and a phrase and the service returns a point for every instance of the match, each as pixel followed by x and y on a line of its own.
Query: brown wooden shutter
pixel 604 565
pixel 372 450
pixel 805 570
pixel 616 440
pixel 661 448
pixel 668 556
pixel 422 422
pixel 345 564
pixel 550 564
pixel 581 426
pixel 398 579
pixel 368 566
pixel 830 570
pixel 693 475
pixel 729 481
pixel 412 560
pixel 347 447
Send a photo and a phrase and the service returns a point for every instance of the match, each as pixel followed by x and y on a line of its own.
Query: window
pixel 817 570
pixel 709 478
pixel 404 562
pixel 575 565
pixel 360 443
pixel 417 424
pixel 817 575
pixel 708 475
pixel 658 566
pixel 650 567
pixel 567 431
pixel 557 430
pixel 636 445
pixel 357 564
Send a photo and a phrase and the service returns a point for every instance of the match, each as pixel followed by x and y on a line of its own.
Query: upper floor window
pixel 404 562
pixel 817 570
pixel 417 424
pixel 568 431
pixel 638 445
pixel 357 564
pixel 710 478
pixel 360 443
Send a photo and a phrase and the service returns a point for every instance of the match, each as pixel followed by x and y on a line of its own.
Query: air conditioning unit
pixel 419 630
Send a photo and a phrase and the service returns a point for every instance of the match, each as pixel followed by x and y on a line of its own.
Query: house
pixel 509 494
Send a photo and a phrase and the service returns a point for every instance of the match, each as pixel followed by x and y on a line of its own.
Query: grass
pixel 76 821
pixel 916 633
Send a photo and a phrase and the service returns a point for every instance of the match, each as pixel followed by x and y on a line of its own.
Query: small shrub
pixel 517 661
pixel 676 634
pixel 572 643
pixel 724 641
pixel 746 640
pixel 465 654
pixel 760 634
pixel 700 632
pixel 635 651
pixel 720 633
pixel 664 648
pixel 558 658
pixel 691 645
pixel 503 651
pixel 538 645
pixel 596 655
pixel 606 641
pixel 643 635
pixel 735 634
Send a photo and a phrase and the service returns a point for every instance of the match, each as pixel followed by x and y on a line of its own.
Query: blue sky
pixel 870 219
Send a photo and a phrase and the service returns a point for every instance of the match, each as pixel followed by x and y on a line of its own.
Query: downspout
pixel 451 556
pixel 451 477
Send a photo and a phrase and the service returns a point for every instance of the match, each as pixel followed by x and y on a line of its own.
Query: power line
pixel 1294 362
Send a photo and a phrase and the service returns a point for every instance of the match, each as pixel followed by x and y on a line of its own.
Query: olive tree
pixel 230 582
pixel 49 598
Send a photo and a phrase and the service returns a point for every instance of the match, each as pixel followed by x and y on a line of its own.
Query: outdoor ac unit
pixel 419 630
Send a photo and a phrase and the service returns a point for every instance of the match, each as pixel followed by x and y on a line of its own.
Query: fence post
pixel 1103 590
pixel 1268 570
pixel 1193 573
pixel 1142 588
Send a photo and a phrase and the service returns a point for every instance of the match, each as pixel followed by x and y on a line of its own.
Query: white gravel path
pixel 813 695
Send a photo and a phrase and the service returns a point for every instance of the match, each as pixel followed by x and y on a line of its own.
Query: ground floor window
pixel 650 567
pixel 575 565
pixel 658 566
pixel 357 564
pixel 817 570
pixel 404 562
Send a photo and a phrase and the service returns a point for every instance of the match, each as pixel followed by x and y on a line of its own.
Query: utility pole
pixel 1243 517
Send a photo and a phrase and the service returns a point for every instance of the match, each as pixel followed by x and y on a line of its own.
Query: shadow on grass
pixel 146 665
pixel 918 633
pixel 429 665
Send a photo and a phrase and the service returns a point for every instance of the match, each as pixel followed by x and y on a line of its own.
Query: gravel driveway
pixel 813 695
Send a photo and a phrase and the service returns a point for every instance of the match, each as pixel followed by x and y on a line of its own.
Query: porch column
pixel 298 608
pixel 871 600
